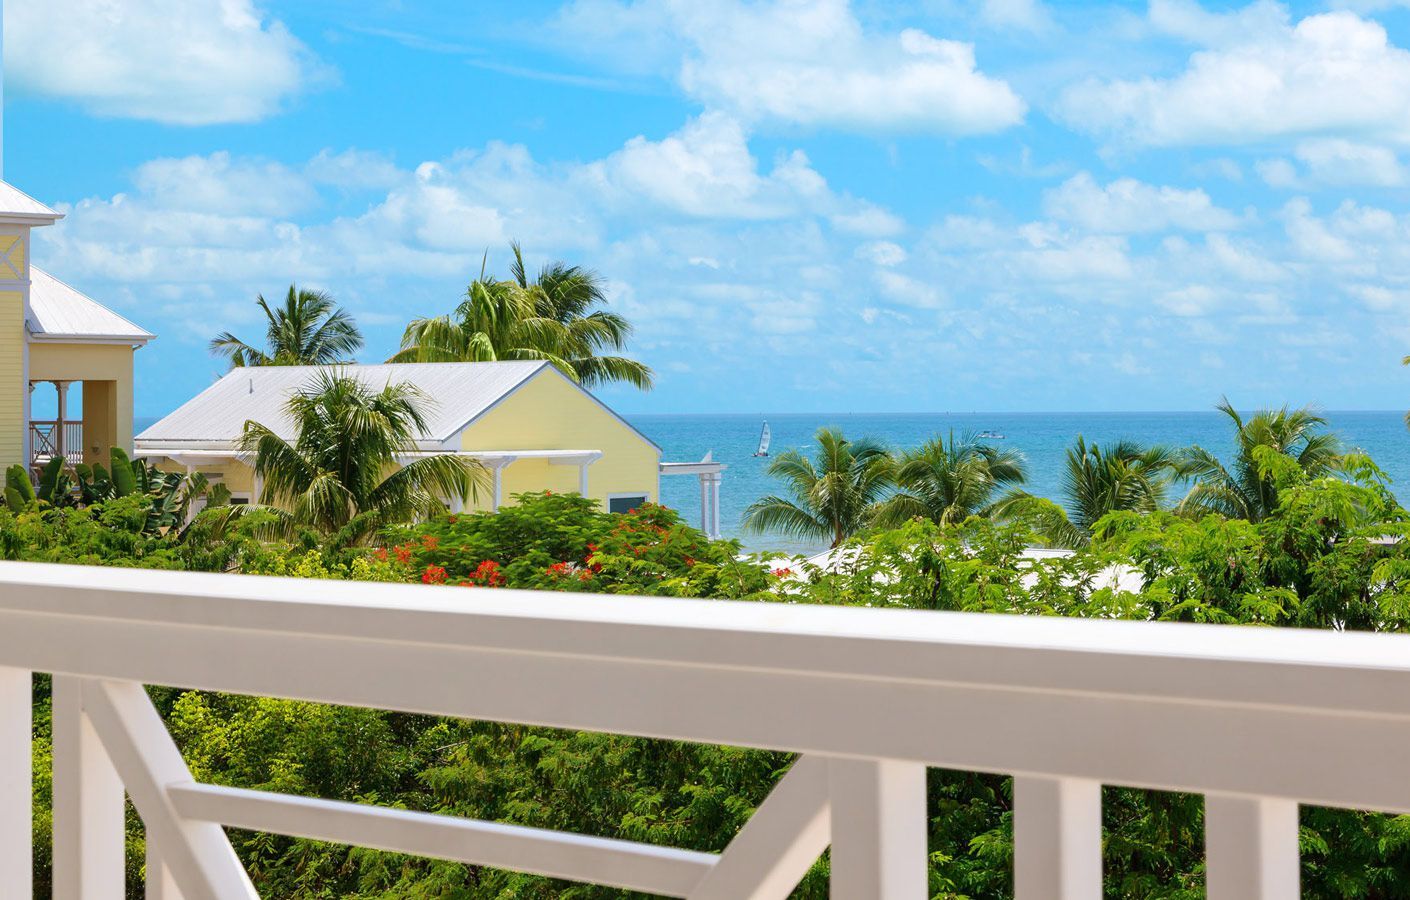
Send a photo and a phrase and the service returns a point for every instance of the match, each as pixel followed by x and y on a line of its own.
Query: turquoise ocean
pixel 1041 437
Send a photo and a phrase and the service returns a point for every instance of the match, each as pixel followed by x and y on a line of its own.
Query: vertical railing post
pixel 160 883
pixel 879 830
pixel 1251 848
pixel 1057 837
pixel 88 804
pixel 16 781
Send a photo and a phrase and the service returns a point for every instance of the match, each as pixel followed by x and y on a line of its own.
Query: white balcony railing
pixel 49 438
pixel 1259 720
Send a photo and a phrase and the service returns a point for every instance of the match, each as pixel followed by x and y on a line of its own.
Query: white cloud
pixel 808 62
pixel 1130 206
pixel 1258 77
pixel 1336 162
pixel 1341 162
pixel 218 185
pixel 706 170
pixel 181 62
pixel 1278 173
pixel 882 253
pixel 354 170
pixel 908 290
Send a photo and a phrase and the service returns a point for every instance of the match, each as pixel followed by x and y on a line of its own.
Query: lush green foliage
pixel 308 330
pixel 1245 490
pixel 1319 559
pixel 834 495
pixel 554 317
pixel 344 473
pixel 949 481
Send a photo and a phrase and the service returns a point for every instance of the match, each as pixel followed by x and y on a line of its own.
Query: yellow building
pixel 52 336
pixel 530 426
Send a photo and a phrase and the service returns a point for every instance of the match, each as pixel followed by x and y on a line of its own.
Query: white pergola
pixel 710 474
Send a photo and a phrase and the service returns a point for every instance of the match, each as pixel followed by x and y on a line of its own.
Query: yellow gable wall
pixel 12 341
pixel 550 413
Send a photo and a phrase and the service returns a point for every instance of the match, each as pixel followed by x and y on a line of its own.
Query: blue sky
pixel 804 205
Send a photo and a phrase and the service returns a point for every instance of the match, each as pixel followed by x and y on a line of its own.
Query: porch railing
pixel 1258 720
pixel 45 436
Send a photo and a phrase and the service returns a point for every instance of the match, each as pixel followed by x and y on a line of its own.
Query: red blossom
pixel 430 541
pixel 783 573
pixel 403 552
pixel 433 575
pixel 380 554
pixel 488 574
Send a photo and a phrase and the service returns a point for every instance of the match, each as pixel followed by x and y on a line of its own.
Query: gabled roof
pixel 461 392
pixel 16 204
pixel 61 313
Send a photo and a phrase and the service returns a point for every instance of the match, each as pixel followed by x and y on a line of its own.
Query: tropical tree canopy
pixel 949 481
pixel 1247 489
pixel 1096 480
pixel 834 495
pixel 308 330
pixel 346 468
pixel 555 317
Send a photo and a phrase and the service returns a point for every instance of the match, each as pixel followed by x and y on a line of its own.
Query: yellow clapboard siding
pixel 551 413
pixel 12 380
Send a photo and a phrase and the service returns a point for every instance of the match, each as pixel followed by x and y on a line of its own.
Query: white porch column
pixel 16 797
pixel 1057 835
pixel 583 479
pixel 705 503
pixel 879 830
pixel 715 480
pixel 1251 849
pixel 499 466
pixel 62 389
pixel 88 804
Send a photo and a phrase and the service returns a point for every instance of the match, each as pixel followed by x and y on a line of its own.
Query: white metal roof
pixel 460 393
pixel 61 313
pixel 15 203
pixel 214 418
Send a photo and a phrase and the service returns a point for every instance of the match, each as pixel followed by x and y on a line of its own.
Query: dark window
pixel 625 504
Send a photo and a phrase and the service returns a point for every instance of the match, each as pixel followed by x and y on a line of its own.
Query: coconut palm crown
pixel 554 317
pixel 949 481
pixel 350 465
pixel 1244 489
pixel 834 494
pixel 308 330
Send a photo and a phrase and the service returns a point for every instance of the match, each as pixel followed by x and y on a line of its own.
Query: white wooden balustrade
pixel 1258 720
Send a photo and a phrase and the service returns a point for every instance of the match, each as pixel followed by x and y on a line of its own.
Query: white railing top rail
pixel 1316 717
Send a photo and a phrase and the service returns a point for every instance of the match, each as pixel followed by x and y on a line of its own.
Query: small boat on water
pixel 990 436
pixel 764 438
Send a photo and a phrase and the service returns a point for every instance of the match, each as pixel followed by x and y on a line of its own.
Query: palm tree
pixel 947 482
pixel 1121 477
pixel 552 318
pixel 834 494
pixel 1248 490
pixel 308 330
pixel 347 468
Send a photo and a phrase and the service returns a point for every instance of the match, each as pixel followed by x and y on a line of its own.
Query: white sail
pixel 764 438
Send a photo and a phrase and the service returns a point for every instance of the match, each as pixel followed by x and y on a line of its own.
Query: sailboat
pixel 764 438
